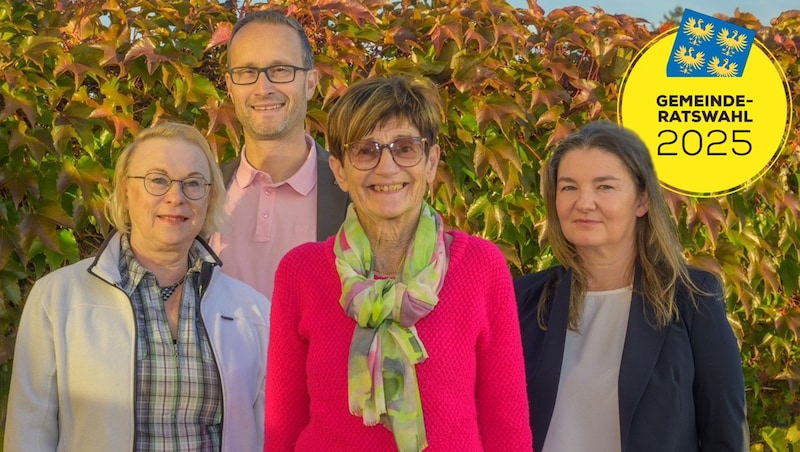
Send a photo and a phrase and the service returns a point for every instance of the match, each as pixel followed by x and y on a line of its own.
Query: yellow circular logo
pixel 714 122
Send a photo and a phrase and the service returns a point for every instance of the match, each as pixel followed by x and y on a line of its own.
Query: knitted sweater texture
pixel 472 385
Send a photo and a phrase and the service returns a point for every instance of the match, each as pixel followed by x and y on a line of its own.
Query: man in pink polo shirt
pixel 281 191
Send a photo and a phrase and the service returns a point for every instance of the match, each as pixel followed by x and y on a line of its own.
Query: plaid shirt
pixel 178 403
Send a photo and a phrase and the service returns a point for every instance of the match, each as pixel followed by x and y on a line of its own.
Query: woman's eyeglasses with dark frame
pixel 158 184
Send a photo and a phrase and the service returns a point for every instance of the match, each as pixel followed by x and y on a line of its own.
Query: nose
pixel 175 192
pixel 585 200
pixel 262 82
pixel 386 161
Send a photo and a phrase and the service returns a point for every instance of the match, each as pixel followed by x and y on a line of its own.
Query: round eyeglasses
pixel 158 184
pixel 280 73
pixel 406 152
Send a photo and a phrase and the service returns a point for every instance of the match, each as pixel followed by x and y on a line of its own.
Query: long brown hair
pixel 659 255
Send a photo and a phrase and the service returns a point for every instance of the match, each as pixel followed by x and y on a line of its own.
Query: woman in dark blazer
pixel 626 348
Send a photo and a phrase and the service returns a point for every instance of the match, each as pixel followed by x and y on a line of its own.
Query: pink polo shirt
pixel 265 220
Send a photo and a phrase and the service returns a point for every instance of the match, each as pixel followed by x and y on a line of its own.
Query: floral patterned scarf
pixel 382 380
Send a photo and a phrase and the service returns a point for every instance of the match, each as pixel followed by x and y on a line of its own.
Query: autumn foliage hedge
pixel 78 79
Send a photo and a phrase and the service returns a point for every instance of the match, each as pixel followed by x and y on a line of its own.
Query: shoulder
pixel 530 286
pixel 233 285
pixel 232 292
pixel 70 286
pixel 69 271
pixel 704 279
pixel 704 301
pixel 301 254
pixel 477 264
pixel 306 260
pixel 67 276
pixel 466 248
pixel 707 288
pixel 477 267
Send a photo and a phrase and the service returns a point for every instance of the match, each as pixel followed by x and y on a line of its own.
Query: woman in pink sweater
pixel 393 334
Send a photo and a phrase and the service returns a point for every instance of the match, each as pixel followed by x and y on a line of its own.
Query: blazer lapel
pixel 548 371
pixel 229 168
pixel 331 200
pixel 642 348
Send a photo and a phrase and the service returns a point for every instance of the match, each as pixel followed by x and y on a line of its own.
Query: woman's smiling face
pixel 170 221
pixel 598 202
pixel 388 193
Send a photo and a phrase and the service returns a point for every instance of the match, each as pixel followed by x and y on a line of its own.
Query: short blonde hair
pixel 116 208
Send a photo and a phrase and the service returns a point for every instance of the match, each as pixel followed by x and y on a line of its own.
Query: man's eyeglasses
pixel 406 152
pixel 280 73
pixel 158 184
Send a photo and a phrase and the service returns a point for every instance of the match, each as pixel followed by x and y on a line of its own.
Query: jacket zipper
pixel 135 348
pixel 206 271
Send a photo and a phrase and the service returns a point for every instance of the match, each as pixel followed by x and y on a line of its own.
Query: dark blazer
pixel 681 388
pixel 331 200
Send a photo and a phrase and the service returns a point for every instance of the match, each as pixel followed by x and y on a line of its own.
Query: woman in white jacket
pixel 147 346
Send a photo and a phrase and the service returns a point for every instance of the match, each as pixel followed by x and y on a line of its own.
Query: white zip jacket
pixel 72 383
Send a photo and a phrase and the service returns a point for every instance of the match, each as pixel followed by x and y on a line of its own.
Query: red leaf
pixel 221 114
pixel 562 129
pixel 35 226
pixel 120 123
pixel 220 36
pixel 20 184
pixel 710 213
pixel 12 104
pixel 53 211
pixel 789 201
pixel 473 35
pixel 549 97
pixel 766 269
pixel 789 320
pixel 8 244
pixel 109 54
pixel 24 137
pixel 444 31
pixel 43 223
pixel 401 38
pixel 496 109
pixel 144 47
pixel 560 67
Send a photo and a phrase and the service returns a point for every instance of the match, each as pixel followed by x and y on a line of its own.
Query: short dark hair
pixel 272 17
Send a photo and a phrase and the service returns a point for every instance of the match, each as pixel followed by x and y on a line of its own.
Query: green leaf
pixel 87 174
pixel 478 207
pixel 775 439
pixel 43 223
pixel 35 48
pixel 502 110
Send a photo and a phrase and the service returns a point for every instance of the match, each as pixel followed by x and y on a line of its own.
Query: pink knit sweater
pixel 472 385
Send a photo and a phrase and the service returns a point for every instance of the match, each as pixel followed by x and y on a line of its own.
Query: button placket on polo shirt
pixel 266 205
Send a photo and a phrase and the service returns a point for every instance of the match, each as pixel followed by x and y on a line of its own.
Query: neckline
pixel 166 292
pixel 628 288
